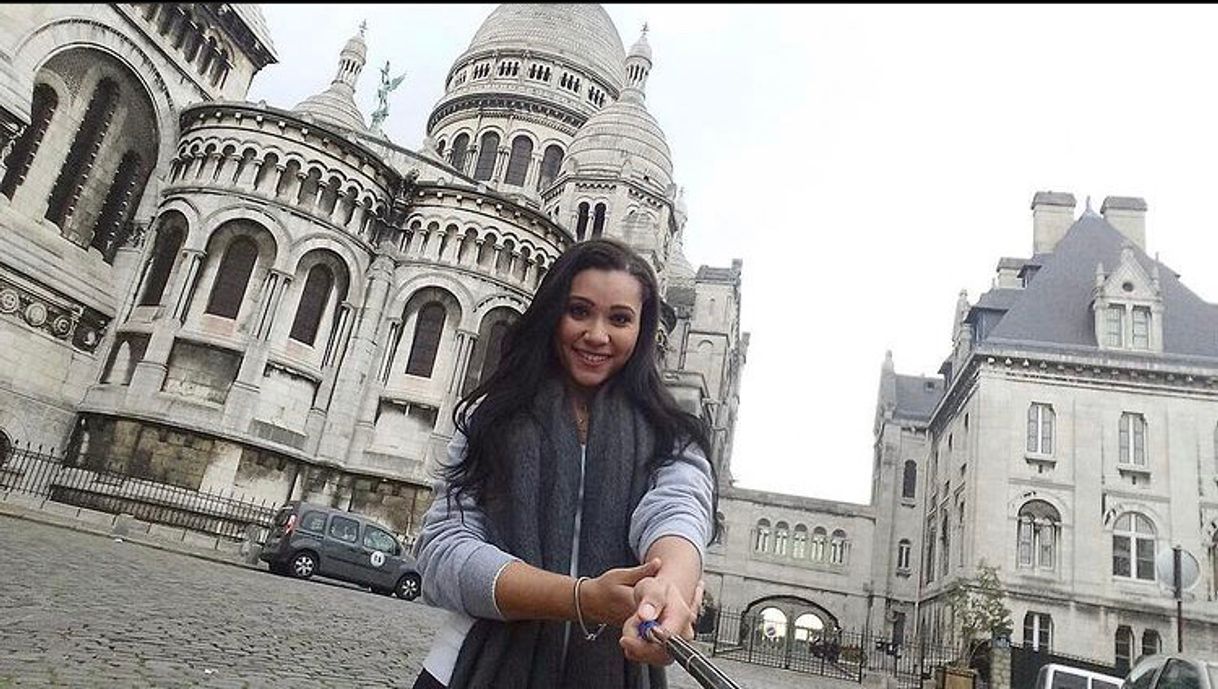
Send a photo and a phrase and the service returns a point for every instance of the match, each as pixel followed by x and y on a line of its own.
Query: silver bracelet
pixel 588 636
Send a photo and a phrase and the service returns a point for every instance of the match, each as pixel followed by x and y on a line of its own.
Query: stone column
pixel 437 242
pixel 249 173
pixel 149 374
pixel 337 441
pixel 336 213
pixel 464 347
pixel 357 218
pixel 342 328
pixel 530 272
pixel 501 157
pixel 321 190
pixel 268 302
pixel 453 250
pixel 228 167
pixel 192 261
pixel 273 189
pixel 530 177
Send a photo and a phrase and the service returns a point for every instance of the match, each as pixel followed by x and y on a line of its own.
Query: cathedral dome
pixel 336 105
pixel 581 33
pixel 624 133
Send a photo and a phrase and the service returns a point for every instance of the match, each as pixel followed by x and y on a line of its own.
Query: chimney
pixel 1052 215
pixel 1128 215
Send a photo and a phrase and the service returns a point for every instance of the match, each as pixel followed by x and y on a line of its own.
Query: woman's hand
pixel 660 600
pixel 610 597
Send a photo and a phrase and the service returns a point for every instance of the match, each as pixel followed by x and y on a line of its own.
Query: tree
pixel 979 611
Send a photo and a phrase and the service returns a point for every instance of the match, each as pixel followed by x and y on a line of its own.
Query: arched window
pixel 909 481
pixel 440 148
pixel 808 626
pixel 799 543
pixel 427 330
pixel 762 544
pixel 773 627
pixel 1037 535
pixel 164 253
pixel 1124 648
pixel 19 159
pixel 459 150
pixel 118 206
pixel 598 220
pixel 581 222
pixel 781 536
pixel 6 447
pixel 518 163
pixel 1133 547
pixel 1151 642
pixel 904 549
pixel 818 544
pixel 232 278
pixel 312 304
pixel 489 346
pixel 551 162
pixel 487 150
pixel 82 153
pixel 837 547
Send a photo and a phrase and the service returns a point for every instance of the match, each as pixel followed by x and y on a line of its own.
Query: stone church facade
pixel 281 302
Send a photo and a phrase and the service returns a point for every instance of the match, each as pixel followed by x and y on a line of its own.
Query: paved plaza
pixel 83 610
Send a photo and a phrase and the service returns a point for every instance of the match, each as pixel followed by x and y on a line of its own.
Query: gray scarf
pixel 535 520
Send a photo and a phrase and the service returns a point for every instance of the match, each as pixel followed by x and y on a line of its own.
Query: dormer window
pixel 1128 306
pixel 1114 326
pixel 1141 327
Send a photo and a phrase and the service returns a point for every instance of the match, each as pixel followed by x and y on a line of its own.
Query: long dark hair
pixel 528 356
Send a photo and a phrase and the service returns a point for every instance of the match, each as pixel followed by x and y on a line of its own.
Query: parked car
pixel 1172 671
pixel 1058 676
pixel 308 540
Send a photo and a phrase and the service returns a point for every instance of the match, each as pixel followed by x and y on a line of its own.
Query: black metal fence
pixel 35 472
pixel 749 638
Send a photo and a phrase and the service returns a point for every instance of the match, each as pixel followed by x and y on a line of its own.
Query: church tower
pixel 617 180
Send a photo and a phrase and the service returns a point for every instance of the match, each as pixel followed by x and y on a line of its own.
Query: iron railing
pixel 844 654
pixel 33 471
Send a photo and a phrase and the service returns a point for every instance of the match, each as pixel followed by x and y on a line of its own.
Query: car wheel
pixel 408 587
pixel 304 564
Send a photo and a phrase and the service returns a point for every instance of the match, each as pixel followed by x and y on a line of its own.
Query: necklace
pixel 581 419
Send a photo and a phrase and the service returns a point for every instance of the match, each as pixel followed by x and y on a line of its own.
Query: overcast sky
pixel 866 162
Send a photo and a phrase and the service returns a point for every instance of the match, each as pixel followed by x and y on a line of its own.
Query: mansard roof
pixel 1054 309
pixel 917 397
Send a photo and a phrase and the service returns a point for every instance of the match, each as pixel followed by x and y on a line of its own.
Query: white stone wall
pixel 1083 481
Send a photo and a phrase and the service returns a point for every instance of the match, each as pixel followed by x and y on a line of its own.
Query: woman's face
pixel 600 326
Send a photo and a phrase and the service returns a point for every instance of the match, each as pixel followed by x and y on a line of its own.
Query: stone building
pixel 280 301
pixel 1077 441
pixel 1071 441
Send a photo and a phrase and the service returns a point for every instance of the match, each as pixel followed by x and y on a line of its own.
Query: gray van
pixel 308 539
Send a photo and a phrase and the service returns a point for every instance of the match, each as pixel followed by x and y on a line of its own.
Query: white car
pixel 1057 676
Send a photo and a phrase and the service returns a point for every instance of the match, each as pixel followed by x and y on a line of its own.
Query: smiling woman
pixel 571 465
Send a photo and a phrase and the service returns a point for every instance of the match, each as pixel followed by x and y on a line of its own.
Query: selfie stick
pixel 707 675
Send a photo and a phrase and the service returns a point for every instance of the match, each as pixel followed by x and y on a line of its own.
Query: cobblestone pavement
pixel 82 610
